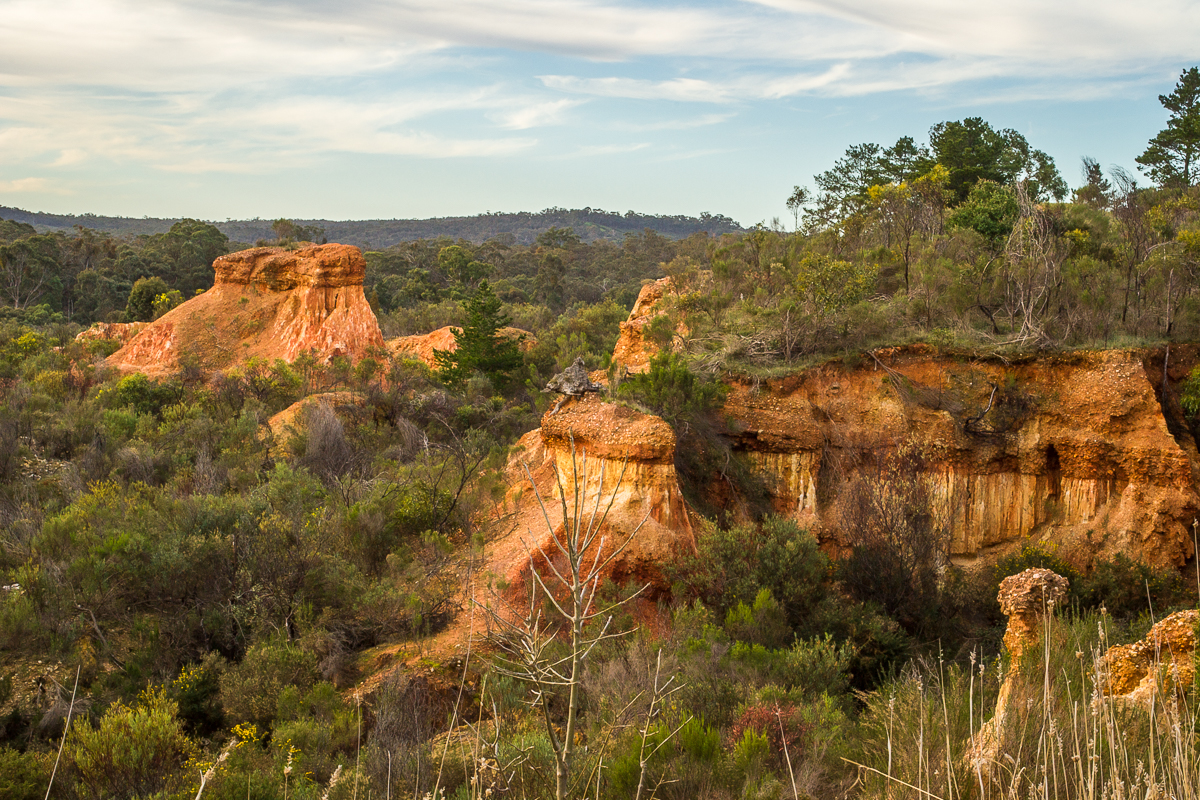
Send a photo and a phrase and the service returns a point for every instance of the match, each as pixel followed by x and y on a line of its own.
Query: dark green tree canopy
pixel 1171 158
pixel 141 298
pixel 971 150
pixel 480 347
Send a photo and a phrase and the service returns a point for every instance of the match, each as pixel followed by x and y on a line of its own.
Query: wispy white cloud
pixel 610 149
pixel 1063 32
pixel 681 124
pixel 535 115
pixel 31 185
pixel 697 90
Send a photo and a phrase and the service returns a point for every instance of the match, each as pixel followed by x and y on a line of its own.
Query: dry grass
pixel 1060 738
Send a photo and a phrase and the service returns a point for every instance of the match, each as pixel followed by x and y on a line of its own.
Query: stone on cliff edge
pixel 1132 671
pixel 573 381
pixel 268 302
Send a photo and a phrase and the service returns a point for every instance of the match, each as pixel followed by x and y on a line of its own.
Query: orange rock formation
pixel 267 302
pixel 1133 672
pixel 1075 447
pixel 628 458
pixel 1027 599
pixel 421 346
pixel 633 351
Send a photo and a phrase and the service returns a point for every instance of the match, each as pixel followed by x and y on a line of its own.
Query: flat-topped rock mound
pixel 268 302
pixel 421 346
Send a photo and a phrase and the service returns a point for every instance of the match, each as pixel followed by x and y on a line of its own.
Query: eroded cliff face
pixel 267 302
pixel 624 457
pixel 1087 450
pixel 1072 448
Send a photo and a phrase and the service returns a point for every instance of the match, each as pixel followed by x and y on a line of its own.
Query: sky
pixel 355 109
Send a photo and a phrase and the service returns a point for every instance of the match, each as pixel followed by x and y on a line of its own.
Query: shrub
pixel 23 776
pixel 133 752
pixel 782 725
pixel 317 727
pixel 197 690
pixel 671 390
pixel 144 395
pixel 1126 587
pixel 733 565
pixel 140 307
pixel 250 690
pixel 762 623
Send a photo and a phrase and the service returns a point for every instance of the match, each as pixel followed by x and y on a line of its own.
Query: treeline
pixel 963 243
pixel 590 224
pixel 87 276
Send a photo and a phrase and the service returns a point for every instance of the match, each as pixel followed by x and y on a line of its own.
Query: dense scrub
pixel 180 577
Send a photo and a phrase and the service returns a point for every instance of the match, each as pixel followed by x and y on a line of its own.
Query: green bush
pixel 144 395
pixel 197 690
pixel 133 752
pixel 731 566
pixel 250 691
pixel 671 390
pixel 23 776
pixel 763 623
pixel 1126 587
pixel 140 307
pixel 317 728
pixel 990 210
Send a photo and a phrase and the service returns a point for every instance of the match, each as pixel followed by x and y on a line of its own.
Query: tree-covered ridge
pixel 518 228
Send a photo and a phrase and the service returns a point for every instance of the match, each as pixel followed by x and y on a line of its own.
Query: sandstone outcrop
pixel 1074 448
pixel 268 302
pixel 1028 599
pixel 1088 449
pixel 1163 661
pixel 627 458
pixel 421 346
pixel 633 350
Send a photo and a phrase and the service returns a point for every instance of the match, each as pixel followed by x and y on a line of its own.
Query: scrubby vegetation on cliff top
pixel 178 578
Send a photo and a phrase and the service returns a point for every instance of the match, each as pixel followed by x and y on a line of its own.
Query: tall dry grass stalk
pixel 1061 737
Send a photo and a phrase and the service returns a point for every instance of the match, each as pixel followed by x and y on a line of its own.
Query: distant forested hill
pixel 589 224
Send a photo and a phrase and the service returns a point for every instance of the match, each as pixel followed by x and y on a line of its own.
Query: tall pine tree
pixel 479 347
pixel 1173 155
